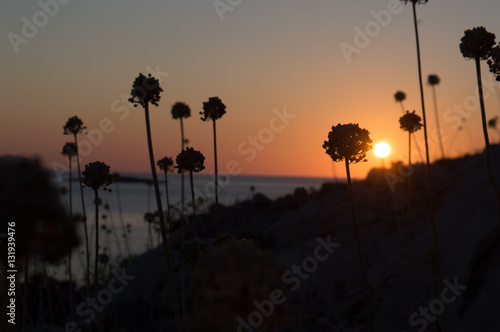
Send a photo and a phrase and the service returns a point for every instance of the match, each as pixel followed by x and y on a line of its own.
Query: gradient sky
pixel 263 57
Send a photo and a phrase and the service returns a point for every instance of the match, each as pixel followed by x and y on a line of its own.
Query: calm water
pixel 129 201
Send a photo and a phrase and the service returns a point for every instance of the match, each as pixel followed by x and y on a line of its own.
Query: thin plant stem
pixel 440 139
pixel 183 297
pixel 182 175
pixel 486 138
pixel 217 226
pixel 166 247
pixel 96 260
pixel 413 135
pixel 358 249
pixel 430 188
pixel 195 228
pixel 84 217
pixel 409 241
pixel 71 251
pixel 125 236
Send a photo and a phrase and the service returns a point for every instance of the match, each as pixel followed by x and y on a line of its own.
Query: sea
pixel 123 230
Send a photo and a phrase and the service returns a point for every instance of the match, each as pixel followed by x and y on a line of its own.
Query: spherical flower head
pixel 477 43
pixel 73 126
pixel 180 110
pixel 97 176
pixel 145 90
pixel 69 149
pixel 190 160
pixel 399 96
pixel 410 122
pixel 29 198
pixel 494 61
pixel 433 80
pixel 348 142
pixel 213 109
pixel 166 164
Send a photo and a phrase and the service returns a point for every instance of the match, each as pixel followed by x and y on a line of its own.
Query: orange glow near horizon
pixel 284 85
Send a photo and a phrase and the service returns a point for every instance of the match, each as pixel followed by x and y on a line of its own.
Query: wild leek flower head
pixel 180 110
pixel 399 96
pixel 97 176
pixel 29 198
pixel 69 150
pixel 166 164
pixel 145 90
pixel 494 61
pixel 410 122
pixel 349 142
pixel 492 123
pixel 213 109
pixel 229 279
pixel 433 80
pixel 190 160
pixel 477 43
pixel 73 126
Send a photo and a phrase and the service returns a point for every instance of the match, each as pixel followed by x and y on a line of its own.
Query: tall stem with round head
pixel 191 160
pixel 350 143
pixel 411 123
pixel 147 90
pixel 478 44
pixel 434 80
pixel 214 109
pixel 97 176
pixel 75 126
pixel 70 150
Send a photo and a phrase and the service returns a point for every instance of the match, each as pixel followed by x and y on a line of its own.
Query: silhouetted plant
pixel 213 110
pixel 410 122
pixel 434 80
pixel 166 164
pixel 430 189
pixel 349 143
pixel 97 176
pixel 477 44
pixel 180 111
pixel 400 96
pixel 70 150
pixel 145 91
pixel 74 126
pixel 191 160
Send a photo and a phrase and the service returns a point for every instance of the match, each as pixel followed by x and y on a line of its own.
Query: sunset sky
pixel 277 65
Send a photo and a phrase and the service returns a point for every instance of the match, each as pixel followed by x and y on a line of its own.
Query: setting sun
pixel 382 150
